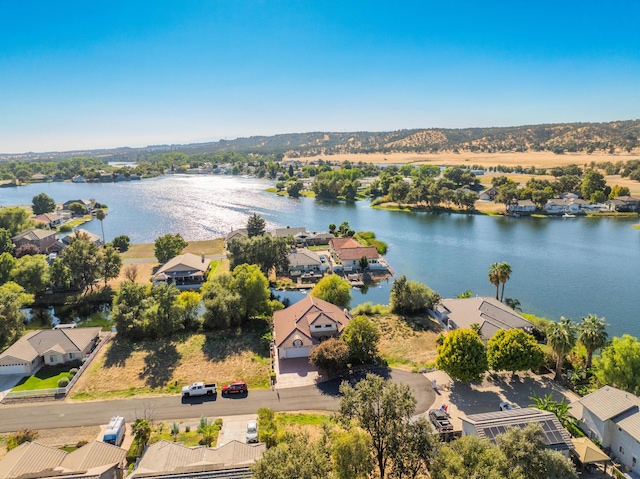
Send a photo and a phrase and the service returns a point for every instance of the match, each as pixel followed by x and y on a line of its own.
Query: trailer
pixel 114 434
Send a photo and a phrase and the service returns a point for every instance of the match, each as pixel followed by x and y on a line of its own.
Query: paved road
pixel 324 397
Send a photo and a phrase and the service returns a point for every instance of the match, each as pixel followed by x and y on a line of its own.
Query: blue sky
pixel 76 75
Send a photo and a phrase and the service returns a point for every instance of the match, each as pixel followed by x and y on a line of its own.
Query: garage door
pixel 14 369
pixel 302 352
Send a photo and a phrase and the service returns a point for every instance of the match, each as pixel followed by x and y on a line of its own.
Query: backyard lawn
pixel 46 378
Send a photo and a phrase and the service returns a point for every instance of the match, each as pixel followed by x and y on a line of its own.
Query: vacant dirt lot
pixel 407 342
pixel 124 368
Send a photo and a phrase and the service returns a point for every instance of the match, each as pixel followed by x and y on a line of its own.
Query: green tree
pixel 100 216
pixel 507 194
pixel 592 334
pixel 559 408
pixel 494 276
pixel 43 203
pixel 14 219
pixel 6 245
pixel 141 430
pixel 617 191
pixel 7 262
pixel 295 188
pixel 60 274
pixel 619 364
pixel 361 337
pixel 331 356
pixel 561 337
pixel 78 209
pixel 513 350
pixel 264 250
pixel 111 264
pixel 297 457
pixel 504 274
pixel 189 302
pixel 32 273
pixel 472 457
pixel 84 260
pixel 12 300
pixel 333 289
pixel 252 287
pixel 255 225
pixel 363 263
pixel 414 454
pixel 527 453
pixel 169 246
pixel 222 305
pixel 121 243
pixel 129 310
pixel 351 454
pixel 164 315
pixel 383 410
pixel 592 182
pixel 411 297
pixel 208 429
pixel 462 355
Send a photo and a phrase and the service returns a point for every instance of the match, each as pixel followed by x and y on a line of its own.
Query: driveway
pixel 7 382
pixel 295 372
pixel 464 399
pixel 234 428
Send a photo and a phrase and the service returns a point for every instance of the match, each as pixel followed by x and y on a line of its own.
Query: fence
pixel 55 392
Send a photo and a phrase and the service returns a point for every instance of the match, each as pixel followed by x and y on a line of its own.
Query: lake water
pixel 569 267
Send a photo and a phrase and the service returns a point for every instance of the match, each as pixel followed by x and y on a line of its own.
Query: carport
pixel 589 455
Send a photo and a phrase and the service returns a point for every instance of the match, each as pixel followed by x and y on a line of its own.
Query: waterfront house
pixel 237 234
pixel 521 207
pixel 49 346
pixel 88 205
pixel 612 416
pixel 50 220
pixel 349 252
pixel 303 260
pixel 95 460
pixel 560 206
pixel 490 425
pixel 623 204
pixel 314 239
pixel 186 271
pixel 175 460
pixel 42 239
pixel 94 238
pixel 305 324
pixel 286 232
pixel 78 179
pixel 489 313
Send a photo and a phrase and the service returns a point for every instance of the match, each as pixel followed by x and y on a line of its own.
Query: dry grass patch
pixel 124 368
pixel 147 250
pixel 407 342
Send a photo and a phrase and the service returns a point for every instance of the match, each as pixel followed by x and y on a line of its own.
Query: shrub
pixel 135 451
pixel 66 229
pixel 187 429
pixel 20 437
pixel 63 382
pixel 73 371
pixel 332 356
pixel 81 443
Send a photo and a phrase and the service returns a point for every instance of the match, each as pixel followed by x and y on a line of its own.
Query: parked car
pixel 440 420
pixel 508 406
pixel 235 388
pixel 252 432
pixel 199 389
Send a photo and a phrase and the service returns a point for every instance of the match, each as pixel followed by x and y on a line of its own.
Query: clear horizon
pixel 78 75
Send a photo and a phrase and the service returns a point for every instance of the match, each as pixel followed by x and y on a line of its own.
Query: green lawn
pixel 46 378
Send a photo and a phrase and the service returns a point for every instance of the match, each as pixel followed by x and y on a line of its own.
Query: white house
pixel 559 206
pixel 303 260
pixel 521 207
pixel 612 416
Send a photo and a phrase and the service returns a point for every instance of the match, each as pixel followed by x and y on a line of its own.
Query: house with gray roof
pixel 94 238
pixel 96 460
pixel 303 260
pixel 612 416
pixel 41 239
pixel 186 271
pixel 50 346
pixel 166 459
pixel 492 424
pixel 237 234
pixel 489 313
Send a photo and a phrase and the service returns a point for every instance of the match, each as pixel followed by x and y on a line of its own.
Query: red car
pixel 236 387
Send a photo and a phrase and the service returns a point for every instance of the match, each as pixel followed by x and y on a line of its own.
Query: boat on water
pixel 568 215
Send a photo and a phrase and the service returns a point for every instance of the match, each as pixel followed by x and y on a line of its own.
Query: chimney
pixel 202 257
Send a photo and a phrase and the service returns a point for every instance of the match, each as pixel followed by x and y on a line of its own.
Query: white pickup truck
pixel 199 389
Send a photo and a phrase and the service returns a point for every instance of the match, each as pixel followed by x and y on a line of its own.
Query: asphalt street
pixel 325 397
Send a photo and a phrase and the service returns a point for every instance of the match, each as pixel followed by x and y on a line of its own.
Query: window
pixel 53 359
pixel 634 461
pixel 621 449
pixel 318 326
pixel 328 326
pixel 72 355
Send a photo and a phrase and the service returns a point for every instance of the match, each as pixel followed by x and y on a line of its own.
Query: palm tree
pixel 561 337
pixel 141 430
pixel 101 215
pixel 504 273
pixel 593 335
pixel 513 303
pixel 494 276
